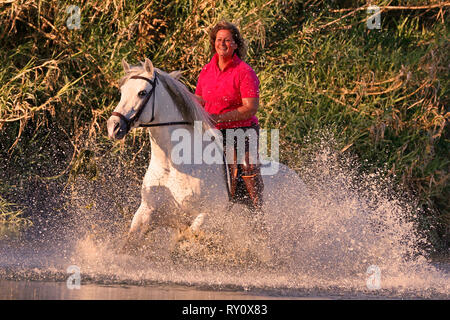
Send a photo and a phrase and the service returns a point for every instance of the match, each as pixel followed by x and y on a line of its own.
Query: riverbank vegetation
pixel 383 93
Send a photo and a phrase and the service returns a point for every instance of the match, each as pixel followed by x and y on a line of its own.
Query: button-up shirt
pixel 223 90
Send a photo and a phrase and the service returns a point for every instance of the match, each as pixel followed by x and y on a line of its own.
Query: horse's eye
pixel 142 93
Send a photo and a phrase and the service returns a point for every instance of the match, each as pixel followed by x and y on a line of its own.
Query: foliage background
pixel 383 93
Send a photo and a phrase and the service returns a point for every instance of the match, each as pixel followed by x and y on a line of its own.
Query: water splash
pixel 322 236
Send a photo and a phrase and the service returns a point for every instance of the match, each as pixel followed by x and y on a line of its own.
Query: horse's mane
pixel 184 100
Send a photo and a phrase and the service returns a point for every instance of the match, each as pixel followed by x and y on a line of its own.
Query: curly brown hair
pixel 241 50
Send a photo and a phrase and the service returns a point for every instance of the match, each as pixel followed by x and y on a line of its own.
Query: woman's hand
pixel 215 118
pixel 246 111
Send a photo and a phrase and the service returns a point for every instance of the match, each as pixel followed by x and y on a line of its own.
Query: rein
pixel 135 117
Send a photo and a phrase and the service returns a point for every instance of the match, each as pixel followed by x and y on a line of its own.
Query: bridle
pixel 135 117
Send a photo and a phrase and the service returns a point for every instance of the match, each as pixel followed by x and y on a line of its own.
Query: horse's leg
pixel 140 226
pixel 196 224
pixel 191 230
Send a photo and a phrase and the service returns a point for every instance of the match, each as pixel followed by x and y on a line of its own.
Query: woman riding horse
pixel 228 88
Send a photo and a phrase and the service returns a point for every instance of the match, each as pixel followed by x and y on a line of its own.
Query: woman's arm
pixel 247 110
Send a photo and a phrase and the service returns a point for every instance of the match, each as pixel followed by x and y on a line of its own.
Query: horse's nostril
pixel 116 126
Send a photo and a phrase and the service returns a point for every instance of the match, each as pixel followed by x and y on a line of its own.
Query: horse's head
pixel 136 91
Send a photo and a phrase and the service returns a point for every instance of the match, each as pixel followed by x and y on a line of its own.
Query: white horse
pixel 179 195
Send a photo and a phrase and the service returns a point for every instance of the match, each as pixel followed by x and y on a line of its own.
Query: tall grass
pixel 384 93
pixel 12 220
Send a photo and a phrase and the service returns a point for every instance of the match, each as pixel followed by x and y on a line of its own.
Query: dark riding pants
pixel 244 165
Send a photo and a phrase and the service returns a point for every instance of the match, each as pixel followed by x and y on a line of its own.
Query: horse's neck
pixel 192 145
pixel 161 146
pixel 160 137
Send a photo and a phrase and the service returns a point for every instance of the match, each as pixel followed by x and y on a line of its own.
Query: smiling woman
pixel 228 88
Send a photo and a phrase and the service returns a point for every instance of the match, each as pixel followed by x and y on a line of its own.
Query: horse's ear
pixel 126 66
pixel 176 74
pixel 148 66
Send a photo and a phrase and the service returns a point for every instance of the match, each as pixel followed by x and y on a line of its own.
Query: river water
pixel 45 290
pixel 30 272
pixel 348 237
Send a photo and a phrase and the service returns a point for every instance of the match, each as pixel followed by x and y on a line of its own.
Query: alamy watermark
pixel 74 280
pixel 374 20
pixel 207 147
pixel 74 20
pixel 373 282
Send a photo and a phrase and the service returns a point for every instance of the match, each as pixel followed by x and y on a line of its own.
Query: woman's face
pixel 225 44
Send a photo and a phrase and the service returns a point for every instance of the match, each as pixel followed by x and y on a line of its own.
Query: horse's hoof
pixel 188 234
pixel 185 235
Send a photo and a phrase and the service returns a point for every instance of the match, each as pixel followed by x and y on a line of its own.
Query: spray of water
pixel 323 233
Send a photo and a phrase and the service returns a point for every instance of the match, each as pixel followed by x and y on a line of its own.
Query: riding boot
pixel 255 187
pixel 233 173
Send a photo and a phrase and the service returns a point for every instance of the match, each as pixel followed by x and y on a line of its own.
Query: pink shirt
pixel 223 90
